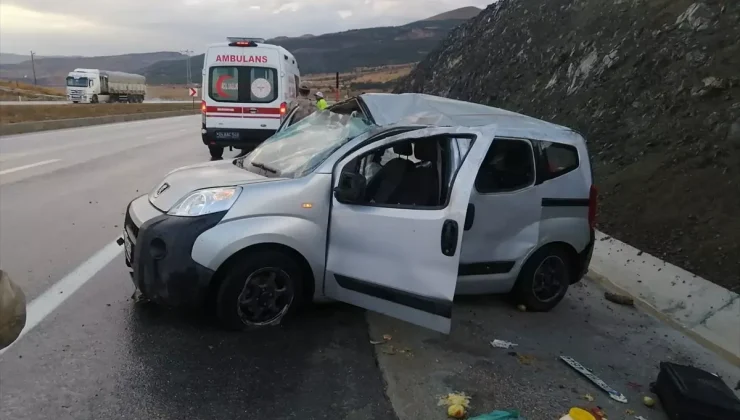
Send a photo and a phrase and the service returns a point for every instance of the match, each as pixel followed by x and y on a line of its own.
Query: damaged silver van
pixel 390 202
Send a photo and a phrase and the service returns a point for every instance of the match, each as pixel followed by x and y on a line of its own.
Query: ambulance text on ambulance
pixel 225 58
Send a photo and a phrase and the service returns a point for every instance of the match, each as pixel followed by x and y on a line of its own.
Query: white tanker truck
pixel 94 86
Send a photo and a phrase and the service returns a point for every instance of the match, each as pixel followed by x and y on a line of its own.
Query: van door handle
pixel 449 237
pixel 469 217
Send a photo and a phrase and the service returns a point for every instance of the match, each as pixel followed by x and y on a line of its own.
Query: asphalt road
pixel 95 354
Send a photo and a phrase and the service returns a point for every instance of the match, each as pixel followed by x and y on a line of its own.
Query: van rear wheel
pixel 259 291
pixel 544 279
pixel 217 152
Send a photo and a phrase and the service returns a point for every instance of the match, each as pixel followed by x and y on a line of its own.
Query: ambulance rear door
pixel 242 87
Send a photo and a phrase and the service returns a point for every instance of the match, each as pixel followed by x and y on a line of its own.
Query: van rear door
pixel 243 96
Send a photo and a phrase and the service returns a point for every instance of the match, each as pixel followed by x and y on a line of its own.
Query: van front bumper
pixel 240 138
pixel 162 266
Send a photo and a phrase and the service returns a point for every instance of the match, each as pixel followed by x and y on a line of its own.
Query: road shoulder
pixel 622 345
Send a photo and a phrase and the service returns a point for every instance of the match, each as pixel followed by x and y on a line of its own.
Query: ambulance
pixel 247 87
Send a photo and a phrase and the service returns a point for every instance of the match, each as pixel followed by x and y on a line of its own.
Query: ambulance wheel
pixel 217 152
pixel 259 290
pixel 544 279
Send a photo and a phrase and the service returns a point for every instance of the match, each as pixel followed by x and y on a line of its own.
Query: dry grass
pixel 170 92
pixel 27 113
pixel 11 90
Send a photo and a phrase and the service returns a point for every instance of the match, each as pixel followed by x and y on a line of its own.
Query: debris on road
pixel 629 412
pixel 635 386
pixel 619 299
pixel 588 397
pixel 499 415
pixel 648 401
pixel 501 344
pixel 456 411
pixel 457 404
pixel 525 359
pixel 386 338
pixel 615 395
pixel 577 413
pixel 522 307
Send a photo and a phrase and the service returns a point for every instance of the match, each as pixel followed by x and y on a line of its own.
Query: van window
pixel 508 166
pixel 242 84
pixel 559 158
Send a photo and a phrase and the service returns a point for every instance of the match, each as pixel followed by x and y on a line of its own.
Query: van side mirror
pixel 351 188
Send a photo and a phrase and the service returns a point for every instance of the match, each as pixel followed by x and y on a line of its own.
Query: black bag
pixel 689 393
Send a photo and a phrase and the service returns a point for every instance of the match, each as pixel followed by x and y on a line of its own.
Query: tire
pixel 94 99
pixel 259 267
pixel 555 261
pixel 217 152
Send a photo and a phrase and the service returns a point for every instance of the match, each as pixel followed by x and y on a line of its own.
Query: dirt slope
pixel 654 85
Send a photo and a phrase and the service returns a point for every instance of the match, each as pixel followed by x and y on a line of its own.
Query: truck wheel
pixel 259 291
pixel 544 279
pixel 217 152
pixel 94 99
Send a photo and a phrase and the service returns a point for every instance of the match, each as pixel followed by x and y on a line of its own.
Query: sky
pixel 103 27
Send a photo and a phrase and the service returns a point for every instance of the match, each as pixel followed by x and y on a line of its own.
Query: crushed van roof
pixel 422 109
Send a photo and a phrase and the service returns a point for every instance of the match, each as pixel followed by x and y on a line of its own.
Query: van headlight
pixel 207 201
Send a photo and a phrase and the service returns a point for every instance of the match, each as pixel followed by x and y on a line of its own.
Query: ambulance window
pixel 224 84
pixel 263 84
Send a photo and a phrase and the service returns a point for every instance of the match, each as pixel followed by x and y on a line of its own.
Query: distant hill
pixel 51 71
pixel 463 13
pixel 8 58
pixel 342 51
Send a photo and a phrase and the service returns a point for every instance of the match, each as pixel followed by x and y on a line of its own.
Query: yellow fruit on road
pixel 522 307
pixel 648 401
pixel 456 411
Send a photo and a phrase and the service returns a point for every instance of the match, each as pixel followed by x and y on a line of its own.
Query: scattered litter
pixel 629 412
pixel 522 307
pixel 598 413
pixel 499 415
pixel 525 359
pixel 615 395
pixel 501 344
pixel 648 401
pixel 634 386
pixel 386 338
pixel 588 397
pixel 455 398
pixel 457 404
pixel 456 411
pixel 577 413
pixel 640 418
pixel 620 299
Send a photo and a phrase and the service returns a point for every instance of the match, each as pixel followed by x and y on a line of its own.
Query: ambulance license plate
pixel 227 135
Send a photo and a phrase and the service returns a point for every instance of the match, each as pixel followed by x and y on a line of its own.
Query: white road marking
pixel 29 166
pixel 53 297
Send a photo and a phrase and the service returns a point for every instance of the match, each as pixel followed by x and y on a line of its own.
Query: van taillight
pixel 203 106
pixel 283 108
pixel 592 202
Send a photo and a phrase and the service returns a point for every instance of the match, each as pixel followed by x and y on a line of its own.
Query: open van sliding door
pixel 402 261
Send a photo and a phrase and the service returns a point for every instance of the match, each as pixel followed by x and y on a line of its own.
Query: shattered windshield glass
pixel 300 148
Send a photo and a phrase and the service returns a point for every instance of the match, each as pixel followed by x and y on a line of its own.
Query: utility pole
pixel 33 67
pixel 188 72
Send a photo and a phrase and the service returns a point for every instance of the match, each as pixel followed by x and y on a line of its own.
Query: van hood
pixel 182 181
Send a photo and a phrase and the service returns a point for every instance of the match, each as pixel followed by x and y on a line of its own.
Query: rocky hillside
pixel 654 85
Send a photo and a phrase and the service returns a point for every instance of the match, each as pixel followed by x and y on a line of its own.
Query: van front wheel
pixel 544 279
pixel 259 291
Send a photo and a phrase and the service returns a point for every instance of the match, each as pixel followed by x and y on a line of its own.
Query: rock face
pixel 654 86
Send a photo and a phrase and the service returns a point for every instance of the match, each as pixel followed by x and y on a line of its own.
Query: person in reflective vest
pixel 320 101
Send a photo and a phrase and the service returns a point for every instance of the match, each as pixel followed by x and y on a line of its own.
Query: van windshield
pixel 300 148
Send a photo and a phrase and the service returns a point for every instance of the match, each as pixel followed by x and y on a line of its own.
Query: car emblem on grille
pixel 162 189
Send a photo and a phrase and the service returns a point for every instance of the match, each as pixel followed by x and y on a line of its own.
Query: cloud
pixel 102 27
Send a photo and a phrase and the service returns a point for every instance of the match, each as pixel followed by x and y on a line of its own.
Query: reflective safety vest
pixel 321 104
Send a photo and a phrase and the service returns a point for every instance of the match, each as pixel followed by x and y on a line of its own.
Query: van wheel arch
pixel 572 257
pixel 308 278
